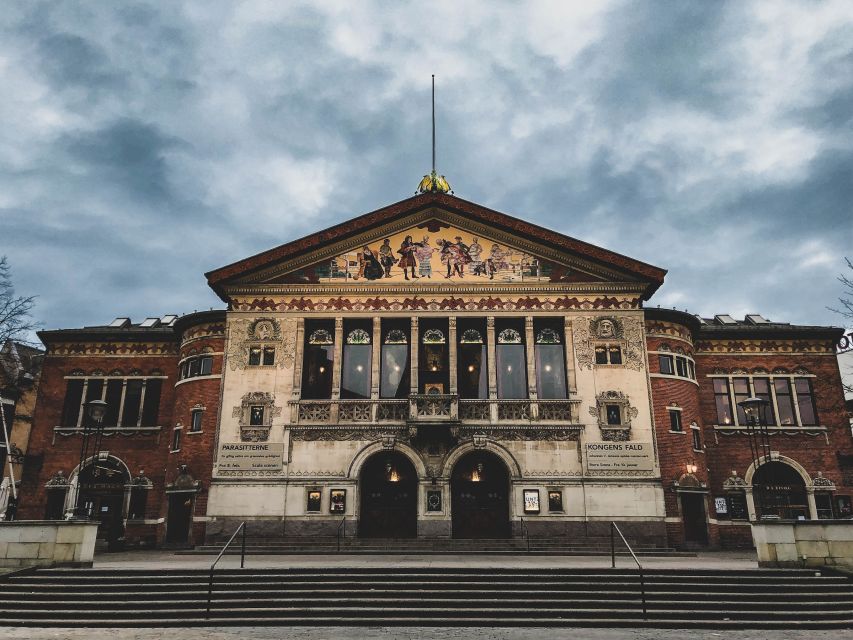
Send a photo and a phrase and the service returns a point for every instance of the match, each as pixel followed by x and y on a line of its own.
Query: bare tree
pixel 846 301
pixel 16 323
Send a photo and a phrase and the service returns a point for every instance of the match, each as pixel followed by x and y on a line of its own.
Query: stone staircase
pixel 304 545
pixel 385 596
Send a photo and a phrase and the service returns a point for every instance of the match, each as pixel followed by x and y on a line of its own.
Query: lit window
pixel 317 360
pixel 511 360
pixel 784 401
pixel 805 401
pixel 471 358
pixel 356 366
pixel 394 366
pixel 550 363
pixel 723 401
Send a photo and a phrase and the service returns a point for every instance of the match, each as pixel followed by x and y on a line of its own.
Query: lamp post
pixel 91 434
pixel 755 410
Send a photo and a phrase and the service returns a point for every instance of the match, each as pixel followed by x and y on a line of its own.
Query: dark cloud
pixel 145 143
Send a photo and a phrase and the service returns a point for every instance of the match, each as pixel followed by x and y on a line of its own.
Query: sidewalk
pixel 169 560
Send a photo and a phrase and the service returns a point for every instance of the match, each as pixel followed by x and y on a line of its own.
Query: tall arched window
pixel 394 370
pixel 510 360
pixel 472 360
pixel 433 374
pixel 550 360
pixel 355 368
pixel 318 359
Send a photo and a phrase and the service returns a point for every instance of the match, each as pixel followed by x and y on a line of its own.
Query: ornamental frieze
pixel 73 349
pixel 662 329
pixel 524 433
pixel 206 330
pixel 343 434
pixel 262 332
pixel 417 303
pixel 765 346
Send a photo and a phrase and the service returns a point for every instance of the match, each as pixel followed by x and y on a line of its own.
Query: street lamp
pixel 755 410
pixel 92 426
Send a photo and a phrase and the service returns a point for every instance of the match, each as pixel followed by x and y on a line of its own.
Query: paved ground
pixel 406 633
pixel 168 560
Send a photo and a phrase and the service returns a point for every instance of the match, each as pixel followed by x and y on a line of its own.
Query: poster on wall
pixel 314 497
pixel 721 505
pixel 338 501
pixel 555 501
pixel 433 501
pixel 531 501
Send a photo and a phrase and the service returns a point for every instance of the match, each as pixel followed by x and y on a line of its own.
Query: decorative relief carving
pixel 255 414
pixel 342 434
pixel 261 332
pixel 522 433
pixel 70 349
pixel 627 332
pixel 607 404
pixel 765 346
pixel 552 474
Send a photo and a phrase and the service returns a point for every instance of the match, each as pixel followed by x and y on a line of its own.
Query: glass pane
pixel 808 416
pixel 206 365
pixel 194 367
pixel 196 421
pixel 512 371
pixel 675 420
pixel 113 402
pixel 472 372
pixel 697 440
pixel 723 401
pixel 762 390
pixel 394 382
pixel 132 399
pixel 355 371
pixel 681 366
pixel 317 373
pixel 269 356
pixel 256 416
pixel 151 407
pixel 665 364
pixel 784 402
pixel 741 389
pixel 254 356
pixel 550 371
pixel 601 355
pixel 614 416
pixel 71 408
pixel 615 355
pixel 692 368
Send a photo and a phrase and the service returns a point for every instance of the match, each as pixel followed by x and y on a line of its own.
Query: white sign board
pixel 720 505
pixel 251 456
pixel 619 456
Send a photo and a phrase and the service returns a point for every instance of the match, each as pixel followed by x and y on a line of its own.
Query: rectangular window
pixel 615 354
pixel 601 355
pixel 269 356
pixel 805 401
pixel 692 368
pixel 471 359
pixel 614 415
pixel 113 398
pixel 132 400
pixel 185 369
pixel 665 363
pixel 254 356
pixel 550 360
pixel 94 390
pixel 195 421
pixel 511 360
pixel 681 366
pixel 675 420
pixel 358 359
pixel 206 365
pixel 697 440
pixel 138 499
pixel 194 367
pixel 256 416
pixel 151 408
pixel 71 407
pixel 394 374
pixel 784 401
pixel 176 440
pixel 317 360
pixel 723 401
pixel 741 390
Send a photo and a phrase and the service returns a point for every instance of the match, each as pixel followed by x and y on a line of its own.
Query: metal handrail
pixel 242 528
pixel 614 527
pixel 342 527
pixel 525 531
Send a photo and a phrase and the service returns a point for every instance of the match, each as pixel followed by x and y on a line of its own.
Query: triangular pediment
pixel 435 240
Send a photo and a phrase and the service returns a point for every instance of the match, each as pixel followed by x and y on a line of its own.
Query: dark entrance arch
pixel 779 492
pixel 102 495
pixel 388 488
pixel 479 488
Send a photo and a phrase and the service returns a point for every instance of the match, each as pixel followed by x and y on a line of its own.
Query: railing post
pixel 612 548
pixel 243 548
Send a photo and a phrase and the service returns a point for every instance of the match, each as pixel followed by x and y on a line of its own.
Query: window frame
pixel 773 379
pixel 675 412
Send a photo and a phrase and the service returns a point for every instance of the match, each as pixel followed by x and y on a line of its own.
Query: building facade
pixel 439 369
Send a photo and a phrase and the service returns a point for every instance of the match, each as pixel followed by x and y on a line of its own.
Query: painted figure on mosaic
pixel 368 265
pixel 386 256
pixel 475 251
pixel 498 261
pixel 424 255
pixel 407 259
pixel 455 256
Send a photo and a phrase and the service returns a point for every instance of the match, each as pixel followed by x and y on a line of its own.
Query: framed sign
pixel 555 501
pixel 721 505
pixel 314 498
pixel 433 501
pixel 531 501
pixel 338 501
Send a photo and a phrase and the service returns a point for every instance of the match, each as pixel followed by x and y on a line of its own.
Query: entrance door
pixel 779 492
pixel 480 497
pixel 693 515
pixel 179 518
pixel 102 495
pixel 389 497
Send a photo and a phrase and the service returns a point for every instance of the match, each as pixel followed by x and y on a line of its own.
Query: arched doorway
pixel 102 495
pixel 479 488
pixel 388 488
pixel 779 492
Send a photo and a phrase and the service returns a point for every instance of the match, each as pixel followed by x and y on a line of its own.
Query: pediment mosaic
pixel 435 253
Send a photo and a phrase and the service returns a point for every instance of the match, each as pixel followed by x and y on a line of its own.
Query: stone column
pixel 375 363
pixel 451 359
pixel 570 357
pixel 811 502
pixel 750 504
pixel 492 367
pixel 336 368
pixel 530 350
pixel 298 355
pixel 413 357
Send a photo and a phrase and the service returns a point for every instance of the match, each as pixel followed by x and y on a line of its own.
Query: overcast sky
pixel 142 144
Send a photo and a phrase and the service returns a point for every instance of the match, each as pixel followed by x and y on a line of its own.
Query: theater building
pixel 438 369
